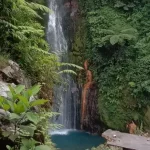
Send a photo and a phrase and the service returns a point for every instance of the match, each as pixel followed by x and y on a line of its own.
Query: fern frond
pixel 128 37
pixel 129 31
pixel 67 71
pixel 8 24
pixel 28 29
pixel 72 65
pixel 39 6
pixel 29 10
pixel 43 43
pixel 19 35
pixel 105 31
pixel 106 38
pixel 39 50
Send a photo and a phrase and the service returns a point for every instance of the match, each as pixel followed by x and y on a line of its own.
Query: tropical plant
pixel 117 47
pixel 119 38
pixel 27 121
pixel 22 36
pixel 24 40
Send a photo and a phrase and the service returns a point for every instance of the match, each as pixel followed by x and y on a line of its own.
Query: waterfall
pixel 66 95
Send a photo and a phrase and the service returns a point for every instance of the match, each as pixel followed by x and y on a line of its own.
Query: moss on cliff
pixel 118 49
pixel 78 47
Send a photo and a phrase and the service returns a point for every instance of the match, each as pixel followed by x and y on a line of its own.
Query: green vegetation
pixel 25 124
pixel 114 37
pixel 117 46
pixel 22 36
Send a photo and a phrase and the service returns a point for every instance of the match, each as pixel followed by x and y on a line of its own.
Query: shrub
pixel 26 123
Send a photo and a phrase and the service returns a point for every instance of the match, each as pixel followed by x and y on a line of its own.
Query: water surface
pixel 75 140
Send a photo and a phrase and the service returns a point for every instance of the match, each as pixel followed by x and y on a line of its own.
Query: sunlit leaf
pixel 24 100
pixel 18 89
pixel 6 107
pixel 33 117
pixel 42 147
pixel 29 129
pixel 14 116
pixel 38 102
pixel 34 90
pixel 114 39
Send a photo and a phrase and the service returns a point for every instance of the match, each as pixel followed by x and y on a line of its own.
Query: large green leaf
pixel 25 142
pixel 33 117
pixel 24 100
pixel 23 148
pixel 42 147
pixel 38 102
pixel 13 137
pixel 10 134
pixel 11 104
pixel 1 100
pixel 35 89
pixel 14 116
pixel 26 94
pixel 19 108
pixel 6 133
pixel 18 89
pixel 28 143
pixel 12 94
pixel 6 107
pixel 32 91
pixel 114 39
pixel 30 129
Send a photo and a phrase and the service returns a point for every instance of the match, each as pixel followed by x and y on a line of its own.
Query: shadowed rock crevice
pixel 92 121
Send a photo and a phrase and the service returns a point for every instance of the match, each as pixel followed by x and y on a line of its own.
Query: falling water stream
pixel 67 92
pixel 66 100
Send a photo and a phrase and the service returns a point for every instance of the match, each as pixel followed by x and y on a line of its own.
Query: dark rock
pixel 92 121
pixel 14 74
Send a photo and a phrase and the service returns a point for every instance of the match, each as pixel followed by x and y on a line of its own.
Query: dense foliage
pixel 25 123
pixel 22 36
pixel 118 50
pixel 22 39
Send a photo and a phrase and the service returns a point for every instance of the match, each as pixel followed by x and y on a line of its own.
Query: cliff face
pixel 91 121
pixel 13 74
pixel 90 118
pixel 75 31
